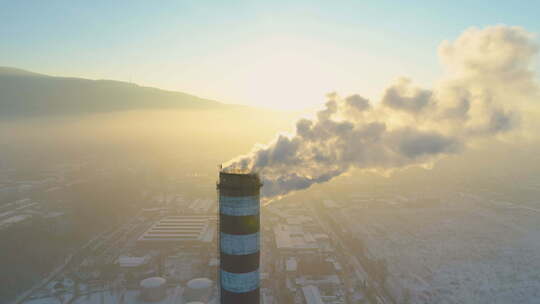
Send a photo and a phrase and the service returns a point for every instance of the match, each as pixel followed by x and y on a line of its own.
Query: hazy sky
pixel 283 54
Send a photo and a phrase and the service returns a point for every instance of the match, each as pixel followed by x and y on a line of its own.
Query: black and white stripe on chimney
pixel 239 215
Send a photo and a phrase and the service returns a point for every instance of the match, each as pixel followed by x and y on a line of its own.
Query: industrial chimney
pixel 239 207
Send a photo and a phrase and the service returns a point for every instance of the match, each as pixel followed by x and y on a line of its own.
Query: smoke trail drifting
pixel 489 81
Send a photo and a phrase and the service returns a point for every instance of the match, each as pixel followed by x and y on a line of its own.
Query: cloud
pixel 415 144
pixel 403 96
pixel 498 51
pixel 487 86
pixel 357 103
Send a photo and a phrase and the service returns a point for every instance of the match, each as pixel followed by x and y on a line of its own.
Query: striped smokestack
pixel 239 207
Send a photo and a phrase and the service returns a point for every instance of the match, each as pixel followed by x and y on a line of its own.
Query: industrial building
pixel 239 216
pixel 178 230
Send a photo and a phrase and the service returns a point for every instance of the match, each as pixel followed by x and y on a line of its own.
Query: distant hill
pixel 28 94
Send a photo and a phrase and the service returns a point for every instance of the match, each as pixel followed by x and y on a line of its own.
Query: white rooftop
pixel 293 237
pixel 181 228
pixel 153 282
pixel 312 295
pixel 200 283
pixel 291 264
pixel 127 261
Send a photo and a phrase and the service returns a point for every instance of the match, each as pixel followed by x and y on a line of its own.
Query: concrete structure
pixel 175 230
pixel 153 289
pixel 293 238
pixel 199 289
pixel 132 262
pixel 312 295
pixel 239 214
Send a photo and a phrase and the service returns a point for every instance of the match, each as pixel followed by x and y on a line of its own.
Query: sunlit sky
pixel 275 54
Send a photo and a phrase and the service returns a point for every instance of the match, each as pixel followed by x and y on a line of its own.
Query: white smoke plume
pixel 488 83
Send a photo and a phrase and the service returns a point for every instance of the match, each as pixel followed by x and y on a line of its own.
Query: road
pixel 362 275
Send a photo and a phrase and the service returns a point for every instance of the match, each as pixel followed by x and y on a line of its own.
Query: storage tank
pixel 239 239
pixel 153 289
pixel 199 289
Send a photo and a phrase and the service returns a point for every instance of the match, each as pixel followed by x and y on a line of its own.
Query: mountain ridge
pixel 28 94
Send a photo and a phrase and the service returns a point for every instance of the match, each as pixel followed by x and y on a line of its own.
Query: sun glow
pixel 287 73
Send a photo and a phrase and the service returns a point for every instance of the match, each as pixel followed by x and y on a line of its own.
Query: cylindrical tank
pixel 239 214
pixel 153 289
pixel 199 289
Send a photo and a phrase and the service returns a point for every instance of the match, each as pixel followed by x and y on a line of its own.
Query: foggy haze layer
pixel 488 85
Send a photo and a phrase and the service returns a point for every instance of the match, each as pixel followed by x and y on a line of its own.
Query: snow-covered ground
pixel 174 296
pixel 459 250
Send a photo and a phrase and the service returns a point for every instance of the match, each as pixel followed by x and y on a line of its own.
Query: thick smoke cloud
pixel 487 85
pixel 402 96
